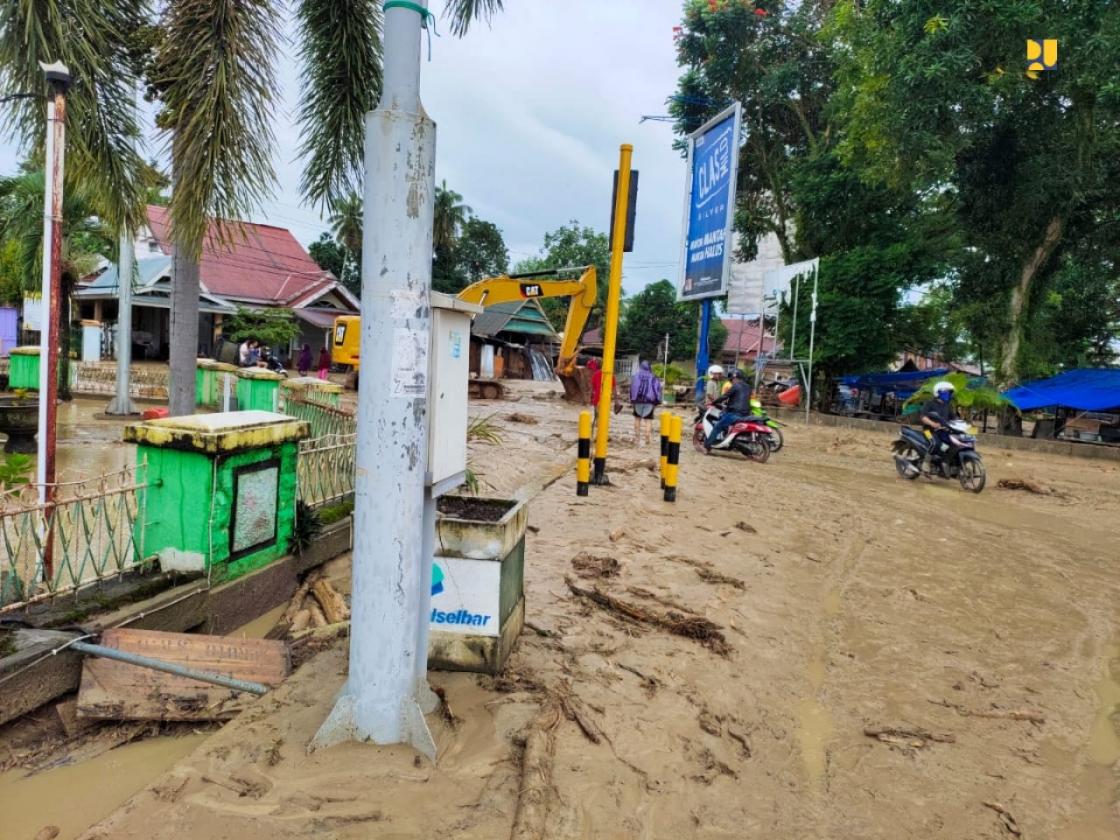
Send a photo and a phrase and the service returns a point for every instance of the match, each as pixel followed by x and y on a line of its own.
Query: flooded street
pixel 904 660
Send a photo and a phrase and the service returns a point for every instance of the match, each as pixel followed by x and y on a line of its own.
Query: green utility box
pixel 221 489
pixel 258 389
pixel 312 389
pixel 23 372
pixel 208 381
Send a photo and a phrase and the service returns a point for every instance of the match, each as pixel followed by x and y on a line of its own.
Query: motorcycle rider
pixel 936 414
pixel 714 386
pixel 738 407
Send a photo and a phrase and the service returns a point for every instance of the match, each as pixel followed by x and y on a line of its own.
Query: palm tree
pixel 449 216
pixel 211 64
pixel 85 240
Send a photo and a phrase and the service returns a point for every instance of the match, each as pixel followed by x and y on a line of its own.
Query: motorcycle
pixel 749 436
pixel 956 459
pixel 776 439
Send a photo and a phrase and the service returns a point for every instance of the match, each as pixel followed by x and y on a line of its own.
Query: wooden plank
pixel 119 691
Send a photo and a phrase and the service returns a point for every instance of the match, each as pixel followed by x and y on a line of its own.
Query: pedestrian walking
pixel 324 362
pixel 304 363
pixel 645 396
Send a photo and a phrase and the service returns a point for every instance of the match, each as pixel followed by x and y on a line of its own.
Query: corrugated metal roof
pixel 519 316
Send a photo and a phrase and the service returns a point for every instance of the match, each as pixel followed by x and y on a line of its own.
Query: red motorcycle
pixel 750 436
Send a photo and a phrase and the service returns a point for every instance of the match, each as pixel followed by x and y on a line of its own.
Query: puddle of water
pixel 813 733
pixel 1104 739
pixel 258 628
pixel 832 603
pixel 75 797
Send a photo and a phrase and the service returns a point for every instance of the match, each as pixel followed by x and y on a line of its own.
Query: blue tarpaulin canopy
pixel 903 383
pixel 1090 389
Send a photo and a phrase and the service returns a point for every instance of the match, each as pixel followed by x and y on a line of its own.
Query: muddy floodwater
pixel 892 659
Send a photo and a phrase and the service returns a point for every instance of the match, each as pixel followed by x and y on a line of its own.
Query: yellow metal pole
pixel 583 463
pixel 610 327
pixel 674 456
pixel 666 422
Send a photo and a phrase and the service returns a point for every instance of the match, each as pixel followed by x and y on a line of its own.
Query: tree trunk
pixel 184 331
pixel 1020 295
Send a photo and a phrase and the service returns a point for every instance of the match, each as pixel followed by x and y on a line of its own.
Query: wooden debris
pixel 541 631
pixel 299 621
pixel 48 832
pixel 445 711
pixel 706 632
pixel 536 774
pixel 908 736
pixel 595 566
pixel 318 619
pixel 67 711
pixel 1027 715
pixel 296 604
pixel 642 592
pixel 1023 484
pixel 1005 817
pixel 120 691
pixel 518 417
pixel 743 526
pixel 333 604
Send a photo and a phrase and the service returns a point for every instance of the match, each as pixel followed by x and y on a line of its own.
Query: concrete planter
pixel 478 593
pixel 19 420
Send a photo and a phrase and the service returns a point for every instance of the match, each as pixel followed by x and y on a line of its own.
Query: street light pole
pixel 381 699
pixel 58 80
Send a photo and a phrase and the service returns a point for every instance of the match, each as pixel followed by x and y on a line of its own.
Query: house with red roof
pixel 244 264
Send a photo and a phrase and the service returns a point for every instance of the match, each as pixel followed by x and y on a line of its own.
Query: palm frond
pixel 215 71
pixel 484 429
pixel 341 82
pixel 103 132
pixel 462 13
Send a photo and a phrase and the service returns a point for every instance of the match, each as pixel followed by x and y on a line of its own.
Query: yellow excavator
pixel 503 289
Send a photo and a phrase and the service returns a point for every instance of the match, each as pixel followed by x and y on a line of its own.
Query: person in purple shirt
pixel 645 396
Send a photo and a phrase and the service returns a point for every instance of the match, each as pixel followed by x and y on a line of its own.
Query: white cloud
pixel 530 115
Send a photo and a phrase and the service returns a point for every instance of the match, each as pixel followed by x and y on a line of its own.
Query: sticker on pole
pixel 713 158
pixel 410 363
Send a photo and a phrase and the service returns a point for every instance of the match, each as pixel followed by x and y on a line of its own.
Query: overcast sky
pixel 530 115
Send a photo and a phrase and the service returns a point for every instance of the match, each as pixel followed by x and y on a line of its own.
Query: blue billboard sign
pixel 713 157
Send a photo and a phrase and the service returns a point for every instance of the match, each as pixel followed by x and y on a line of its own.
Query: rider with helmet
pixel 737 400
pixel 936 414
pixel 714 387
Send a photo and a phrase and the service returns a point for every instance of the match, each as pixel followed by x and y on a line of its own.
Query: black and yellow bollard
pixel 672 459
pixel 583 464
pixel 666 421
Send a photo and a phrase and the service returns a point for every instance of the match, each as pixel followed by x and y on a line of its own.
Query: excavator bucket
pixel 577 385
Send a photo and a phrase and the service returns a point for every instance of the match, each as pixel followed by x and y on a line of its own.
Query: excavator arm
pixel 543 284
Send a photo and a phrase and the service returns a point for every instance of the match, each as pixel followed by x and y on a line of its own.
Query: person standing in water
pixel 645 396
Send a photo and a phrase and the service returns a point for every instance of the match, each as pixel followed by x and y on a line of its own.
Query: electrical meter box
pixel 447 391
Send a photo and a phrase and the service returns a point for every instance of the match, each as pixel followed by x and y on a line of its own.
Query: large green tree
pixel 478 252
pixel 937 100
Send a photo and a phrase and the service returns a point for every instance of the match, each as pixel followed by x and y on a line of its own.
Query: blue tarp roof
pixel 908 380
pixel 1088 389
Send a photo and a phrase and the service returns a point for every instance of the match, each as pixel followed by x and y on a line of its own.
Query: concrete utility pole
pixel 381 699
pixel 122 402
pixel 58 80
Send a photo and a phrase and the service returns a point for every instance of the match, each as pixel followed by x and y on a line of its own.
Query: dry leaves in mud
pixel 908 737
pixel 595 566
pixel 1024 484
pixel 708 573
pixel 708 633
pixel 527 419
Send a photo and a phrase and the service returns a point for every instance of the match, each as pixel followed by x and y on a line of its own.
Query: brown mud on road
pixel 811 648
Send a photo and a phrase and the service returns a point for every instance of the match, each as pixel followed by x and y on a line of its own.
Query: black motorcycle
pixel 956 458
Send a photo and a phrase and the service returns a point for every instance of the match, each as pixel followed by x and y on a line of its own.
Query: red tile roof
pixel 742 337
pixel 260 263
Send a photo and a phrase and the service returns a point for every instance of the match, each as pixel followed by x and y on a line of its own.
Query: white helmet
pixel 944 385
pixel 715 370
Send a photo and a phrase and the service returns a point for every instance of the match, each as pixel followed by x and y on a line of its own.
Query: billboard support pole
pixel 702 347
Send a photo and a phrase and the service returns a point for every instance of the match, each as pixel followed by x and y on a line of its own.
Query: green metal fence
pixel 326 469
pixel 323 419
pixel 86 535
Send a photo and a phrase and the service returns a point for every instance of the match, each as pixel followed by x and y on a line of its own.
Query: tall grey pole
pixel 380 699
pixel 812 339
pixel 122 402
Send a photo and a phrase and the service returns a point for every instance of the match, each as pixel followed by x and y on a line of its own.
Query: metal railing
pixel 324 419
pixel 326 469
pixel 91 532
